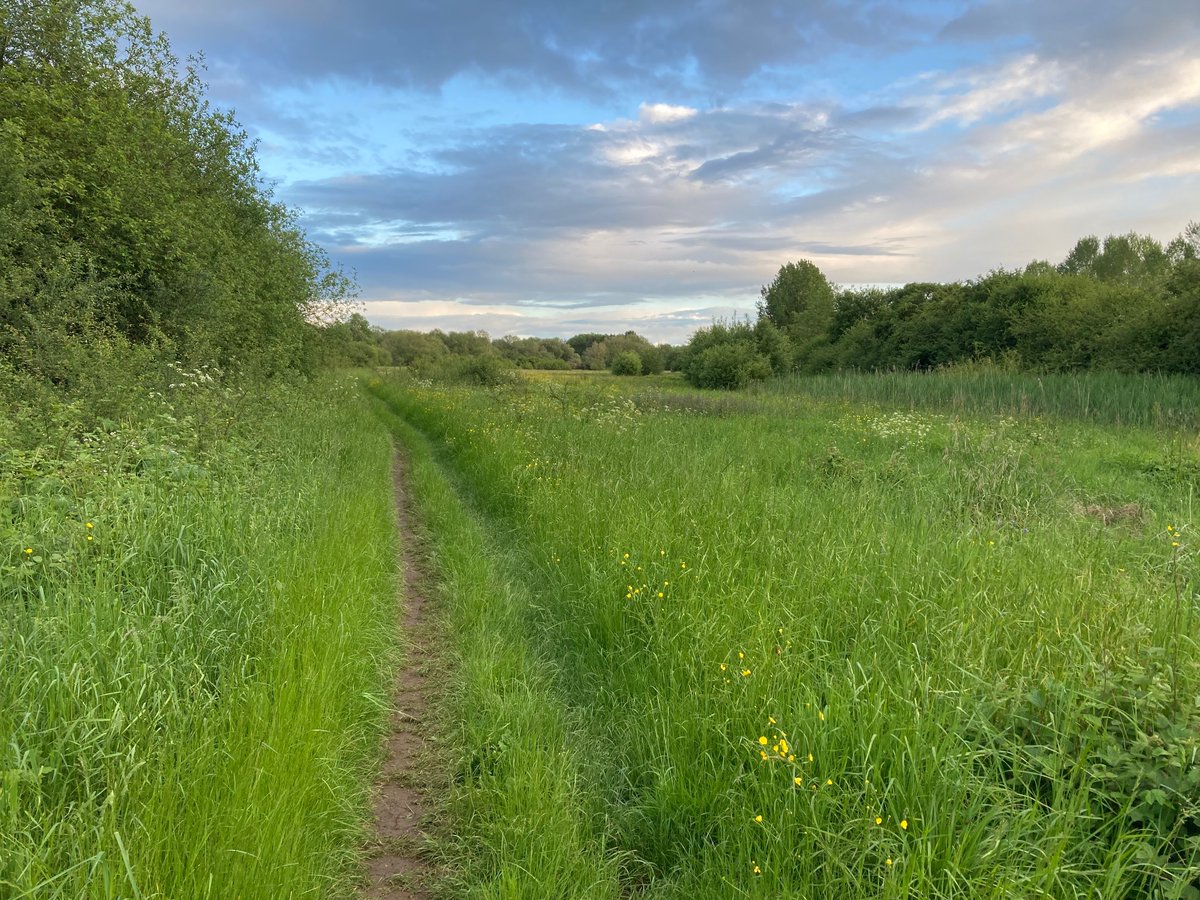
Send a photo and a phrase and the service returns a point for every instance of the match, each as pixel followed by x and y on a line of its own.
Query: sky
pixel 552 167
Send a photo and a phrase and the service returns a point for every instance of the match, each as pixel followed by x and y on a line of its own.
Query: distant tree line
pixel 1126 304
pixel 477 357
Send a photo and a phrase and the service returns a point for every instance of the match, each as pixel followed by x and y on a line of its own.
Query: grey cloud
pixel 1096 33
pixel 585 48
pixel 783 150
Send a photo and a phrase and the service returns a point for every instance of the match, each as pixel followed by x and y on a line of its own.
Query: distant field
pixel 843 637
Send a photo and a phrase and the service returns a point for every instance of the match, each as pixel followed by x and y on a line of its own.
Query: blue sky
pixel 550 168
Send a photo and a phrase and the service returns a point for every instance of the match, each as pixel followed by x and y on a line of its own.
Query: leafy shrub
pixel 627 363
pixel 729 366
pixel 484 371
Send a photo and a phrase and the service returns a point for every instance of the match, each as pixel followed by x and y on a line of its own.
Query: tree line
pixel 475 356
pixel 1127 303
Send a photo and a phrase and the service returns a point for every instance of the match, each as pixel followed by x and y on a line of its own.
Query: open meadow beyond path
pixel 396 868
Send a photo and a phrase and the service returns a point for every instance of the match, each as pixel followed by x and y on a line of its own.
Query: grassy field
pixel 839 638
pixel 197 630
pixel 853 636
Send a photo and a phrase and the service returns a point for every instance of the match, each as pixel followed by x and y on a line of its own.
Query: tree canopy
pixel 131 209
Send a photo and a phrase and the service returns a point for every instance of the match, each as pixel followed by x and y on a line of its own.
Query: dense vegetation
pixel 1127 304
pixel 131 213
pixel 813 642
pixel 192 668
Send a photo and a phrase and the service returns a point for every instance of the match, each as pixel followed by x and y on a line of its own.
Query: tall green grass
pixel 819 648
pixel 1155 401
pixel 198 620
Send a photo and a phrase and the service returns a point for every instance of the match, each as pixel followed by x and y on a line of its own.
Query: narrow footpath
pixel 396 867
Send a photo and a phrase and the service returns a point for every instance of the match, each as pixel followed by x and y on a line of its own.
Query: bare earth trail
pixel 396 868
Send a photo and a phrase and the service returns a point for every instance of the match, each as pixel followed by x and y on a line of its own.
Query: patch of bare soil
pixel 396 866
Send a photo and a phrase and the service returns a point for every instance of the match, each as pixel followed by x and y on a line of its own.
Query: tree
pixel 800 302
pixel 725 355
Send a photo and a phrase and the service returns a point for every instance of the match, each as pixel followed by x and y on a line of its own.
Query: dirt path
pixel 396 868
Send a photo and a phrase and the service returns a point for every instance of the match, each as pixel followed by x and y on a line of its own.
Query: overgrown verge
pixel 527 823
pixel 197 597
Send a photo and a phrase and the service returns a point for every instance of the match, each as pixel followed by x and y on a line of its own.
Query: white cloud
pixel 660 113
pixel 966 97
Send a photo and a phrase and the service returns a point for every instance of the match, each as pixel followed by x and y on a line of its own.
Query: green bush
pixel 483 371
pixel 627 363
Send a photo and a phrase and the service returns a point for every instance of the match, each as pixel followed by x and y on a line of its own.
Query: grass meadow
pixel 853 636
pixel 862 637
pixel 197 631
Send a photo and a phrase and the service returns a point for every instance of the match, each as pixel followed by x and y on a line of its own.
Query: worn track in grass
pixel 396 865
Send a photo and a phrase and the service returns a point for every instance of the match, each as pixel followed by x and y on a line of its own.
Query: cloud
pixel 670 326
pixel 657 113
pixel 586 49
pixel 885 142
pixel 967 97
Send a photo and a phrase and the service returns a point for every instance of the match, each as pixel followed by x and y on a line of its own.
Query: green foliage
pixel 800 302
pixel 413 349
pixel 627 362
pixel 352 343
pixel 732 355
pixel 1124 304
pixel 482 371
pixel 131 207
pixel 601 354
pixel 581 342
pixel 538 353
pixel 1128 742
